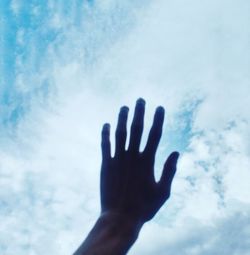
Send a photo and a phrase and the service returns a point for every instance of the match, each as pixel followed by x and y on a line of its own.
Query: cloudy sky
pixel 67 66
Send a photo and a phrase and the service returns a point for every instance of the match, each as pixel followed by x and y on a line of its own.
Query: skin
pixel 130 196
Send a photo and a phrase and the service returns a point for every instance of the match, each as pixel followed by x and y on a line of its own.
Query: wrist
pixel 113 233
pixel 120 225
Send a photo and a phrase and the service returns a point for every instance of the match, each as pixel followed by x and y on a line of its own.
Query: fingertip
pixel 141 101
pixel 174 158
pixel 176 155
pixel 160 113
pixel 160 109
pixel 106 127
pixel 124 109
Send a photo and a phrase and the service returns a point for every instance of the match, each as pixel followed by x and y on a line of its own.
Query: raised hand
pixel 130 196
pixel 128 186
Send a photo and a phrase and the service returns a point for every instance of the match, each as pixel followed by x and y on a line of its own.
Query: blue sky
pixel 67 67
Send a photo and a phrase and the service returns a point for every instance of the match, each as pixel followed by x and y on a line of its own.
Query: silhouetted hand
pixel 130 196
pixel 128 186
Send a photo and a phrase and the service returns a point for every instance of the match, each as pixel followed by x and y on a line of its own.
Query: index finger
pixel 155 132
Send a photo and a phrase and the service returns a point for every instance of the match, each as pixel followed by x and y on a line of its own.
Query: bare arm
pixel 130 196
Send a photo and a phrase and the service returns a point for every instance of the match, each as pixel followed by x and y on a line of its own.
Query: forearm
pixel 111 235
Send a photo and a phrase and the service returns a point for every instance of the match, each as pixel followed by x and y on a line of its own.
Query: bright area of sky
pixel 68 66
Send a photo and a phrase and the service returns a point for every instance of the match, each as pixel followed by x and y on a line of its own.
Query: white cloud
pixel 191 58
pixel 221 236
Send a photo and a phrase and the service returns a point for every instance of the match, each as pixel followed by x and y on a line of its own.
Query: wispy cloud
pixel 67 69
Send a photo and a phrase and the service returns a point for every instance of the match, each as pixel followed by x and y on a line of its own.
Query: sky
pixel 66 67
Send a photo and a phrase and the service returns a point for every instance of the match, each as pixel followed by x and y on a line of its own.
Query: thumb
pixel 168 173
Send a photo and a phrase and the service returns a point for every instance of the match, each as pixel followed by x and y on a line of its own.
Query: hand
pixel 128 186
pixel 130 196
